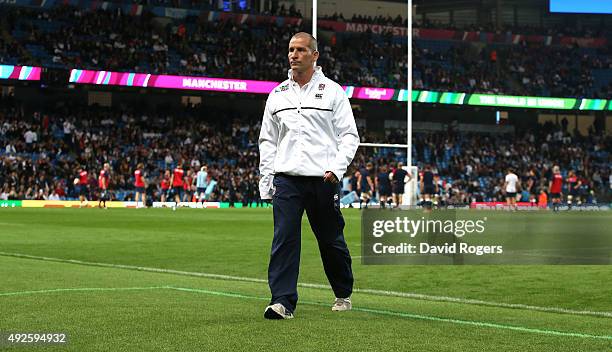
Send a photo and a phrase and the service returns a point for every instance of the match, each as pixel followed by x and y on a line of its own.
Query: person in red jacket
pixel 139 185
pixel 83 182
pixel 176 184
pixel 187 186
pixel 103 182
pixel 165 186
pixel 554 188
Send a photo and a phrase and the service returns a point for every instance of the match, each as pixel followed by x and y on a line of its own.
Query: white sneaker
pixel 277 311
pixel 342 304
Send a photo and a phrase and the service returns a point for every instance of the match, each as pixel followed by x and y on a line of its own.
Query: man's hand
pixel 266 187
pixel 330 177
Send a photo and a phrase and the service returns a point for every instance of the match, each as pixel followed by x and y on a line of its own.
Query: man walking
pixel 308 138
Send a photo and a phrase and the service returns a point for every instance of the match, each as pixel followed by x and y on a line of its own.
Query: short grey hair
pixel 312 40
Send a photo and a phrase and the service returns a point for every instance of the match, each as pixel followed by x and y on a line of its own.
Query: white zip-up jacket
pixel 306 131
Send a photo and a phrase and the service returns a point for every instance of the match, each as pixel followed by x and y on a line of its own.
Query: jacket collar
pixel 318 74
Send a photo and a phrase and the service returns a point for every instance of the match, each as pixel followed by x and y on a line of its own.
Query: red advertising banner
pixel 585 42
pixel 333 25
pixel 362 28
pixel 376 29
pixel 438 34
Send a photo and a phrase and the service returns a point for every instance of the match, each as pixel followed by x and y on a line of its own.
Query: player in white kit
pixel 511 187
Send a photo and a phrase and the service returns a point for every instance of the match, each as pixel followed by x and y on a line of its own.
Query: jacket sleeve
pixel 346 134
pixel 268 139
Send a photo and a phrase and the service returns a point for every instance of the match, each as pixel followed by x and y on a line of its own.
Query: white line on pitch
pixel 359 309
pixel 416 316
pixel 319 286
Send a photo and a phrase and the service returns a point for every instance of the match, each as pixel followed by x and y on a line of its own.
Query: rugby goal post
pixel 411 187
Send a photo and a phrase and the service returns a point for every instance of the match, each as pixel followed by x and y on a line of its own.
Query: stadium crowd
pixel 397 21
pixel 214 5
pixel 42 153
pixel 471 167
pixel 68 37
pixel 512 69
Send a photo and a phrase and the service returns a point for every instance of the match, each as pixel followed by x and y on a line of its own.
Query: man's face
pixel 301 57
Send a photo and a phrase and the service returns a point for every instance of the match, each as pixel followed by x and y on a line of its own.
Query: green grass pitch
pixel 112 306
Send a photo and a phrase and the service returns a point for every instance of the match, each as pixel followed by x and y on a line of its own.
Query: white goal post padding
pixel 411 188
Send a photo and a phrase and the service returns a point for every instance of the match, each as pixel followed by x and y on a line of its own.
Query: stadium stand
pixel 67 37
pixel 89 137
pixel 42 150
pixel 471 165
pixel 513 69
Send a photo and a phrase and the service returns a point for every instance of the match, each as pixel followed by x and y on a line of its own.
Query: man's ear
pixel 315 54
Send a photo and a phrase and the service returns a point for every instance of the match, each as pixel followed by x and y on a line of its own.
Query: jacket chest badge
pixel 321 86
pixel 282 88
